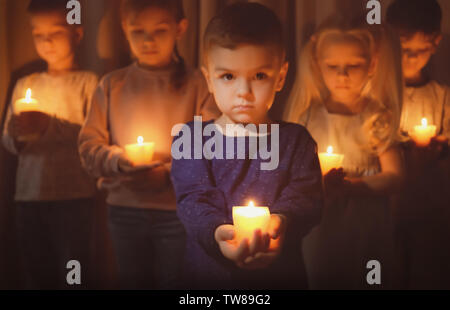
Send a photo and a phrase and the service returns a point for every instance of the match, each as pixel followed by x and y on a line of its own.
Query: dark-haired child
pixel 245 67
pixel 418 23
pixel 145 99
pixel 54 194
pixel 423 215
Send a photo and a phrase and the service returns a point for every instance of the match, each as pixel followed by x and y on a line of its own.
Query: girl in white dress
pixel 348 95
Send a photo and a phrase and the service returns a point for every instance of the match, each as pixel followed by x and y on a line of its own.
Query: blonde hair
pixel 385 86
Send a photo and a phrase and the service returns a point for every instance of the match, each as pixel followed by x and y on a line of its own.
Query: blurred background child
pixel 348 95
pixel 54 195
pixel 145 99
pixel 423 214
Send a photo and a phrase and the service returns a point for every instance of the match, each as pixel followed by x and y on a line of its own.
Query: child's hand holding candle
pixel 422 134
pixel 26 104
pixel 254 241
pixel 248 219
pixel 28 122
pixel 329 160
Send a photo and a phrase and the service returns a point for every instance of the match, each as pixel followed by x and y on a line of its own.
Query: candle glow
pixel 422 134
pixel 247 219
pixel 330 161
pixel 27 104
pixel 141 153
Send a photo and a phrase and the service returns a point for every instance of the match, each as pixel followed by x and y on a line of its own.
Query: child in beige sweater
pixel 54 194
pixel 145 99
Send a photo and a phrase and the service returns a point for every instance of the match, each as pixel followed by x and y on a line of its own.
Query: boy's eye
pixel 160 31
pixel 57 34
pixel 355 66
pixel 332 67
pixel 227 76
pixel 137 31
pixel 38 36
pixel 260 76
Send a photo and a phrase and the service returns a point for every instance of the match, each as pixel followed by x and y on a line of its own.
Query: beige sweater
pixel 134 102
pixel 49 169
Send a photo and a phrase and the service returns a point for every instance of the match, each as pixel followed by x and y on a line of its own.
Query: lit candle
pixel 248 219
pixel 25 107
pixel 27 104
pixel 329 160
pixel 141 153
pixel 422 134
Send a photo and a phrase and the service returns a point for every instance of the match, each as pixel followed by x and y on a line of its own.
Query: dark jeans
pixel 149 246
pixel 51 234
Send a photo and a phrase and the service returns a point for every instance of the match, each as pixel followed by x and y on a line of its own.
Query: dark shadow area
pixel 439 66
pixel 10 272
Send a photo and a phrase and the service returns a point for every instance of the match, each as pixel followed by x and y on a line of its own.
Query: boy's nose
pixel 343 71
pixel 149 38
pixel 47 43
pixel 244 89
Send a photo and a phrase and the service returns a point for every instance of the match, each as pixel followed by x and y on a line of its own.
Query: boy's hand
pixel 154 178
pixel 271 247
pixel 439 147
pixel 261 252
pixel 126 166
pixel 29 123
pixel 334 183
pixel 32 123
pixel 225 238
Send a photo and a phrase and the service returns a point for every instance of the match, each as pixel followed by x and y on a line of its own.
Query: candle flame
pixel 140 140
pixel 330 150
pixel 424 122
pixel 28 95
pixel 251 204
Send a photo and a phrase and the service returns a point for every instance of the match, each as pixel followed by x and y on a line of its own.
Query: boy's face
pixel 152 35
pixel 244 81
pixel 345 67
pixel 416 51
pixel 54 39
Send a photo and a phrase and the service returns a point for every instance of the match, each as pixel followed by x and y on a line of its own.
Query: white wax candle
pixel 248 219
pixel 422 134
pixel 27 104
pixel 329 160
pixel 141 153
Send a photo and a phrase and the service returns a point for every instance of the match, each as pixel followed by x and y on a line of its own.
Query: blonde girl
pixel 348 95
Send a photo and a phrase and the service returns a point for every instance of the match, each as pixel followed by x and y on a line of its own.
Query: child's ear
pixel 436 42
pixel 282 77
pixel 182 28
pixel 79 34
pixel 206 75
pixel 373 66
pixel 124 29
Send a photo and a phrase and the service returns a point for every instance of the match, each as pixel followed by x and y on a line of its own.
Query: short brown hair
pixel 175 7
pixel 42 6
pixel 244 23
pixel 412 16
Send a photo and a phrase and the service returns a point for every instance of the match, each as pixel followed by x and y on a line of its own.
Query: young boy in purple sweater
pixel 245 67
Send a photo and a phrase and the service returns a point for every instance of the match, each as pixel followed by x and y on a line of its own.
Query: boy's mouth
pixel 154 52
pixel 342 87
pixel 243 107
